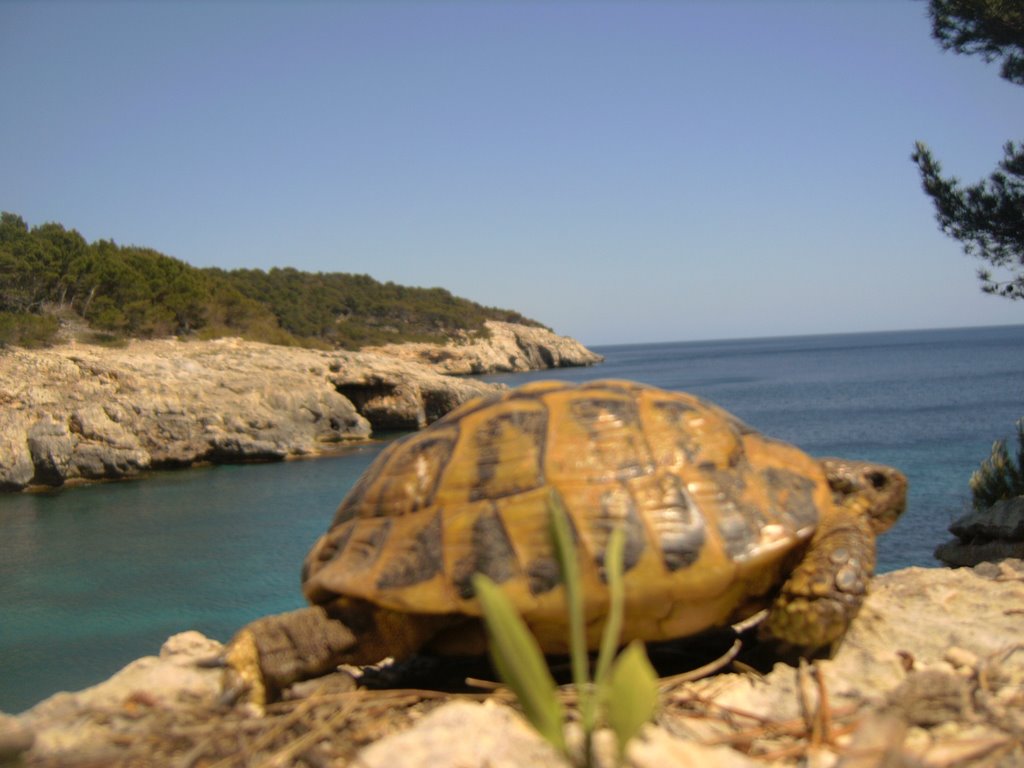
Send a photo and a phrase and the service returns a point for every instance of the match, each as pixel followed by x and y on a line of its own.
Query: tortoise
pixel 720 523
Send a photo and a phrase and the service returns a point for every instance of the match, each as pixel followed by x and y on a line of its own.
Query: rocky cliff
pixel 930 674
pixel 83 412
pixel 509 348
pixel 988 534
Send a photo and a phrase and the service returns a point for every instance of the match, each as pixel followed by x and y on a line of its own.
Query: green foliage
pixel 27 330
pixel 138 292
pixel 624 689
pixel 572 581
pixel 631 694
pixel 987 217
pixel 992 29
pixel 519 661
pixel 999 477
pixel 356 310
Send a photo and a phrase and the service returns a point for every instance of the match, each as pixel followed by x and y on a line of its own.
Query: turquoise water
pixel 93 577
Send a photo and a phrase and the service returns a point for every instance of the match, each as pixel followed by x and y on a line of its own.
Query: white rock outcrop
pixel 84 412
pixel 79 412
pixel 510 347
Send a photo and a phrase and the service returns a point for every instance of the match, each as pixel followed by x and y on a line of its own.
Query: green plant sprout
pixel 624 691
pixel 999 477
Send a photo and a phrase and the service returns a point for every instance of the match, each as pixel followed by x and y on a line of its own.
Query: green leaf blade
pixel 632 693
pixel 520 662
pixel 565 553
pixel 612 633
pixel 572 579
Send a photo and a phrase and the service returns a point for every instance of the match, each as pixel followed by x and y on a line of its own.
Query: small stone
pixel 878 733
pixel 987 570
pixel 463 734
pixel 657 748
pixel 964 751
pixel 187 648
pixel 932 697
pixel 960 658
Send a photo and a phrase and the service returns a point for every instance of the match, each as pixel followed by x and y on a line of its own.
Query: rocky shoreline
pixel 80 412
pixel 988 534
pixel 930 674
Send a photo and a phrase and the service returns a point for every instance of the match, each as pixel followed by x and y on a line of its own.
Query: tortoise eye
pixel 878 480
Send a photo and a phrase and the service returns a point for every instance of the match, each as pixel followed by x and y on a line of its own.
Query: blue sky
pixel 621 171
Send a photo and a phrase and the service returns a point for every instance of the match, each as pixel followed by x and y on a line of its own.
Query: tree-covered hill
pixel 49 273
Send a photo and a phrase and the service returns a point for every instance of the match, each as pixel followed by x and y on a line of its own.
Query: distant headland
pixel 119 359
pixel 53 282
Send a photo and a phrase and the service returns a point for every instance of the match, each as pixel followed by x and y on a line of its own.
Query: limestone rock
pixel 88 412
pixel 397 394
pixel 894 662
pixel 64 726
pixel 503 739
pixel 463 734
pixel 103 447
pixel 510 347
pixel 657 748
pixel 83 412
pixel 16 466
pixel 986 535
pixel 49 444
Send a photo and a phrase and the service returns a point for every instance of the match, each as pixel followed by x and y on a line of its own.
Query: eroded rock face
pixel 80 412
pixel 16 467
pixel 397 394
pixel 510 348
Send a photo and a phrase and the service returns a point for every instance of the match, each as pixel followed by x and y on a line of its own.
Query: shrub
pixel 999 477
pixel 27 330
pixel 134 292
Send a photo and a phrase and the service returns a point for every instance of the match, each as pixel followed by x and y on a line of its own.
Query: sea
pixel 92 577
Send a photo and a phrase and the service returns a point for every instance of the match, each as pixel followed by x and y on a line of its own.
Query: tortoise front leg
pixel 272 652
pixel 826 588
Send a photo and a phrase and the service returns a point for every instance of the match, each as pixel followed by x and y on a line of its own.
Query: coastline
pixel 79 413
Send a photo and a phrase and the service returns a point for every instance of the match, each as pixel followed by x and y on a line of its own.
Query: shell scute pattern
pixel 406 478
pixel 506 450
pixel 610 446
pixel 416 560
pixel 491 553
pixel 675 522
pixel 710 508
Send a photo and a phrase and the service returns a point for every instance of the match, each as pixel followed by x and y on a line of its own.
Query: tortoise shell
pixel 714 513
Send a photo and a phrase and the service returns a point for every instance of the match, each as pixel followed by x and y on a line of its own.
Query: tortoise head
pixel 874 490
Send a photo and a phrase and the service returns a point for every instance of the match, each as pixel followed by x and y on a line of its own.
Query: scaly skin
pixel 825 590
pixel 274 651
